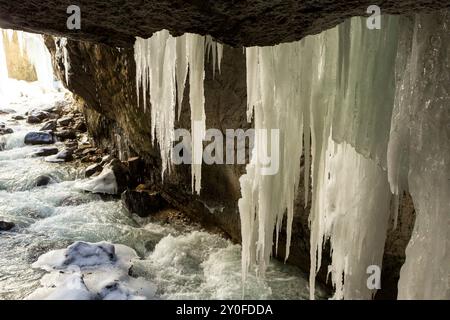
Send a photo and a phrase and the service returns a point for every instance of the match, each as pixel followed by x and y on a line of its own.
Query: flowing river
pixel 181 263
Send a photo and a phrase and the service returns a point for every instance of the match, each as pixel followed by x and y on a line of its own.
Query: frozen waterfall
pixel 369 107
pixel 341 87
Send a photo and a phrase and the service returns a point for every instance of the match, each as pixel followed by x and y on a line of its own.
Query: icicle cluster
pixel 339 89
pixel 162 64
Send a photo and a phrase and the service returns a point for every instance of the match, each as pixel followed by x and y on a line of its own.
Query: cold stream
pixel 175 262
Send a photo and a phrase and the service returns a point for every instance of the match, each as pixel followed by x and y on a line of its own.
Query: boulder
pixel 34 138
pixel 45 152
pixel 143 203
pixel 49 126
pixel 37 116
pixel 42 181
pixel 65 121
pixel 5 226
pixel 18 117
pixel 6 131
pixel 121 173
pixel 65 155
pixel 93 169
pixel 66 134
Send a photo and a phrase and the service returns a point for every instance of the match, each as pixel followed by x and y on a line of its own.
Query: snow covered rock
pixel 91 271
pixel 105 182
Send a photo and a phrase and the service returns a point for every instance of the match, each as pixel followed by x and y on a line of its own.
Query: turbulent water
pixel 184 263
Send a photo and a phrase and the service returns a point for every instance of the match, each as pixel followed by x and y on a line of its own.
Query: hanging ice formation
pixel 340 88
pixel 162 64
pixel 37 53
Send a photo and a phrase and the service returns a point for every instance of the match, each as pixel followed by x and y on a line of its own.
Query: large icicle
pixel 419 152
pixel 162 62
pixel 272 97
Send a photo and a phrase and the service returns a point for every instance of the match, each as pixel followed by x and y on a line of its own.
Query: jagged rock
pixel 65 121
pixel 65 155
pixel 66 134
pixel 34 138
pixel 37 116
pixel 42 181
pixel 92 169
pixel 143 203
pixel 56 109
pixel 49 126
pixel 46 151
pixel 33 120
pixel 5 226
pixel 122 174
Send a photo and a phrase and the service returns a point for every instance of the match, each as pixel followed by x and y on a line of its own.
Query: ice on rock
pixel 105 182
pixel 162 64
pixel 87 271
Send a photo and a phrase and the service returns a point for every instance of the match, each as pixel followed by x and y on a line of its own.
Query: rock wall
pixel 237 22
pixel 104 78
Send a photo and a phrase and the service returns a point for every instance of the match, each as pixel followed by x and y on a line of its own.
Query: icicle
pixel 195 47
pixel 181 69
pixel 162 62
pixel 65 59
pixel 272 96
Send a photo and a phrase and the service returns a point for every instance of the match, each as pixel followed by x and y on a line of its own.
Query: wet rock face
pixel 237 23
